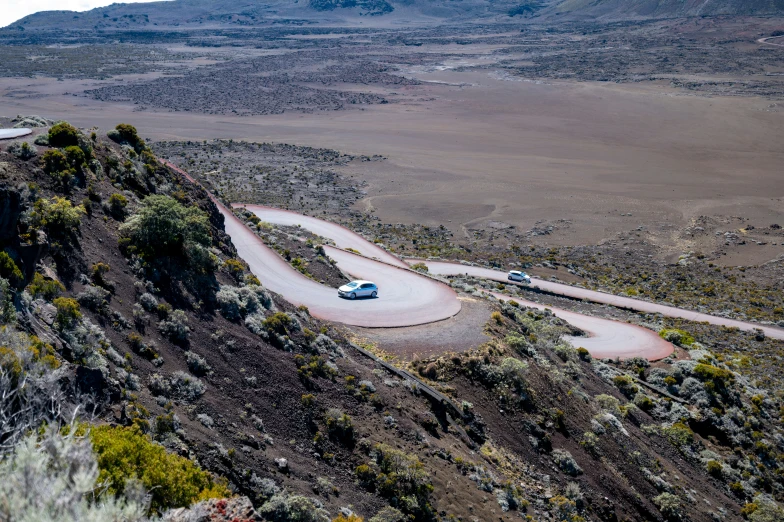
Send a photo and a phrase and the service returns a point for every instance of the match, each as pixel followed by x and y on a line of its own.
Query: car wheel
pixel 352 296
pixel 373 294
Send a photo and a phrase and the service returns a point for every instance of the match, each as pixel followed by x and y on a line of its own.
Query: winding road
pixel 408 298
pixel 605 338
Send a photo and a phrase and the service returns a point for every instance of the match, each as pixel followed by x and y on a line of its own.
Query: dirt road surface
pixel 605 338
pixel 404 298
pixel 453 269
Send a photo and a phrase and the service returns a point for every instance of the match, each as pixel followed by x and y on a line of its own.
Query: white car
pixel 356 289
pixel 522 277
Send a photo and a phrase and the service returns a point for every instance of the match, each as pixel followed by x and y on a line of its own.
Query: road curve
pixel 454 269
pixel 343 237
pixel 605 338
pixel 405 297
pixel 8 134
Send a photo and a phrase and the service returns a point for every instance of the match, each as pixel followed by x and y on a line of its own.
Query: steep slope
pixel 143 315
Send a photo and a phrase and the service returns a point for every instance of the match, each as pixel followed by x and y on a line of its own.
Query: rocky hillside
pixel 138 351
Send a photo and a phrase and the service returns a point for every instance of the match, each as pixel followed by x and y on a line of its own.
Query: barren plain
pixel 486 131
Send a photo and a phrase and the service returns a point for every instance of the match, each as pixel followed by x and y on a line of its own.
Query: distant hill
pixel 209 13
pixel 630 9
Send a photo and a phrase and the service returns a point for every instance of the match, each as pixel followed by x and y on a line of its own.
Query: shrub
pixel 626 385
pixel 186 387
pixel 348 518
pixel 56 477
pixel 126 455
pixel 669 505
pixel 76 158
pixel 284 508
pixel 164 228
pixel 237 303
pixel 566 462
pixel 389 514
pixel 23 151
pixel 175 327
pixel 57 216
pixel 93 298
pixel 715 379
pixel 56 164
pixel 125 133
pixel 148 301
pixel 403 477
pixel 67 312
pixel 63 135
pixel 583 354
pixel 99 270
pixel 497 317
pixel 339 426
pixel 197 364
pixel 278 322
pixel 235 268
pixel 714 468
pixel 675 336
pixel 679 434
pixel 420 267
pixel 10 271
pixel 48 289
pixel 159 385
pixel 117 206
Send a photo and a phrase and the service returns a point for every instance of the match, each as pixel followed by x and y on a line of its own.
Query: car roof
pixel 515 272
pixel 362 282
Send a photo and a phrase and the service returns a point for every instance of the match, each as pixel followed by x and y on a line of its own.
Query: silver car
pixel 520 277
pixel 356 289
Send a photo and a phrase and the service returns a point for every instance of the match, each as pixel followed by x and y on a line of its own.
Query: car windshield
pixel 352 285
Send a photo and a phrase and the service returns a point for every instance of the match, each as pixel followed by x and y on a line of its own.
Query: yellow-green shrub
pixel 173 481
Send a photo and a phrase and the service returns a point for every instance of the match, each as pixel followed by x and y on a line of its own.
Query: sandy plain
pixel 476 149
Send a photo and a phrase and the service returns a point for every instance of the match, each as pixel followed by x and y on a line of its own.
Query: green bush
pixel 63 135
pixel 76 158
pixel 403 477
pixel 126 454
pixel 117 206
pixel 669 505
pixel 57 216
pixel 10 271
pixel 68 312
pixel 339 426
pixel 44 288
pixel 278 322
pixel 718 377
pixel 679 434
pixel 676 336
pixel 125 133
pixel 164 227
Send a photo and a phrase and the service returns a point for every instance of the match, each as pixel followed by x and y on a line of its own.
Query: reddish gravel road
pixel 404 298
pixel 343 237
pixel 8 134
pixel 453 269
pixel 606 338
